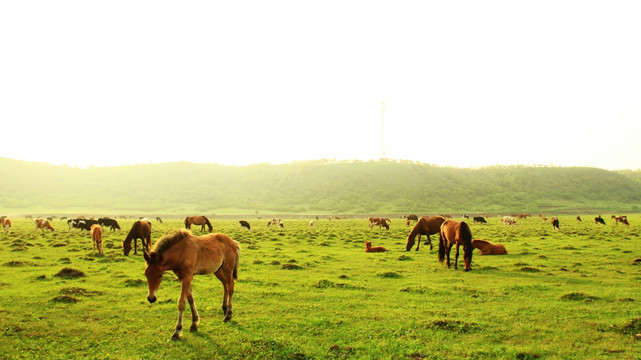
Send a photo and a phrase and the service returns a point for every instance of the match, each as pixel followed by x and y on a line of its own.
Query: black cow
pixel 113 224
pixel 599 220
pixel 479 219
pixel 555 224
pixel 244 224
pixel 82 224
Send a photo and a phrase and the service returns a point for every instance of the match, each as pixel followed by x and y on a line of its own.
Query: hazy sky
pixel 464 83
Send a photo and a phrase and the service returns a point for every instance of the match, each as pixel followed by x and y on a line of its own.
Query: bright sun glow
pixel 464 83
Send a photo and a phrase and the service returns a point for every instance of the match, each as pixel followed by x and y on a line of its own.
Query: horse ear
pixel 146 257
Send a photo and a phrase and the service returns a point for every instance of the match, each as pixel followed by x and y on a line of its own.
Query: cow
pixel 6 224
pixel 479 219
pixel 620 219
pixel 244 224
pixel 82 224
pixel 509 220
pixel 555 223
pixel 378 221
pixel 113 224
pixel 42 224
pixel 599 220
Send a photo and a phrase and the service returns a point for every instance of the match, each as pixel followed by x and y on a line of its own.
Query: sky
pixel 454 83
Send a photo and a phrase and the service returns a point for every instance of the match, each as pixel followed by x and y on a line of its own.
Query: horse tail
pixel 235 273
pixel 441 246
pixel 211 228
pixel 466 238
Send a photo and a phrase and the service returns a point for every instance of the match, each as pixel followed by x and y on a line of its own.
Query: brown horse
pixel 96 237
pixel 412 217
pixel 141 229
pixel 487 248
pixel 198 220
pixel 187 255
pixel 424 226
pixel 459 233
pixel 370 248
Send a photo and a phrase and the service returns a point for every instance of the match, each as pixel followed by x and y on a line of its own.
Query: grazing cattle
pixel 42 224
pixel 487 248
pixel 141 229
pixel 578 218
pixel 455 233
pixel 6 224
pixel 412 217
pixel 424 226
pixel 381 222
pixel 555 223
pixel 620 219
pixel 159 219
pixel 273 221
pixel 96 237
pixel 479 219
pixel 280 224
pixel 187 255
pixel 370 248
pixel 599 220
pixel 113 224
pixel 465 216
pixel 447 216
pixel 524 216
pixel 311 224
pixel 81 223
pixel 244 224
pixel 509 220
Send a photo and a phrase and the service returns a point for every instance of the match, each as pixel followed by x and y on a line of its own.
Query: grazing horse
pixel 578 218
pixel 198 220
pixel 370 248
pixel 42 224
pixel 96 237
pixel 459 233
pixel 424 226
pixel 379 221
pixel 141 229
pixel 599 220
pixel 159 219
pixel 6 224
pixel 311 224
pixel 620 219
pixel 188 255
pixel 487 248
pixel 555 223
pixel 244 224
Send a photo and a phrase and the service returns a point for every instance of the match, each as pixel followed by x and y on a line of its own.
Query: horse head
pixel 153 272
pixel 409 242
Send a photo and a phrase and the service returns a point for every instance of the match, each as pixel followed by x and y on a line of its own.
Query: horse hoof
pixel 193 328
pixel 175 336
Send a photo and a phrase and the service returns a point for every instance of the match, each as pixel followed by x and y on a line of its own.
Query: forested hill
pixel 314 187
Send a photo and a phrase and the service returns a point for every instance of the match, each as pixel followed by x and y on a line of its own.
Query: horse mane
pixel 170 240
pixel 480 241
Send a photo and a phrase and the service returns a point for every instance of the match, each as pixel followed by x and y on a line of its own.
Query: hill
pixel 313 187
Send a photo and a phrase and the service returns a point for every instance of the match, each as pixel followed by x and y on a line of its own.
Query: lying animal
pixel 370 248
pixel 487 248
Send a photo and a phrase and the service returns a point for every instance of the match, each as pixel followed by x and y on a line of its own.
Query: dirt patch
pixel 16 263
pixel 291 267
pixel 135 283
pixel 530 269
pixel 578 296
pixel 65 299
pixel 453 326
pixel 390 275
pixel 69 273
pixel 636 261
pixel 79 292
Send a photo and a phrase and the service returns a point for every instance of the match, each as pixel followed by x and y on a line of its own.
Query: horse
pixel 378 221
pixel 459 233
pixel 244 224
pixel 578 218
pixel 424 226
pixel 487 248
pixel 6 224
pixel 599 220
pixel 113 224
pixel 370 248
pixel 198 220
pixel 188 255
pixel 159 219
pixel 96 237
pixel 42 224
pixel 620 219
pixel 555 223
pixel 311 224
pixel 479 219
pixel 141 229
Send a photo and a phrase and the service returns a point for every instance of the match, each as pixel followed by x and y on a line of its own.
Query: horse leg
pixel 194 313
pixel 184 290
pixel 136 245
pixel 418 242
pixel 429 241
pixel 228 290
pixel 456 258
pixel 448 249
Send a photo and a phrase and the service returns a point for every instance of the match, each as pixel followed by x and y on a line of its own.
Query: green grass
pixel 315 293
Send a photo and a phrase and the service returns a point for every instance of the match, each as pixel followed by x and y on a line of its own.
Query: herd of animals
pixel 187 255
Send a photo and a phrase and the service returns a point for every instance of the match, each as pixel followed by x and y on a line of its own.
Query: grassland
pixel 314 293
